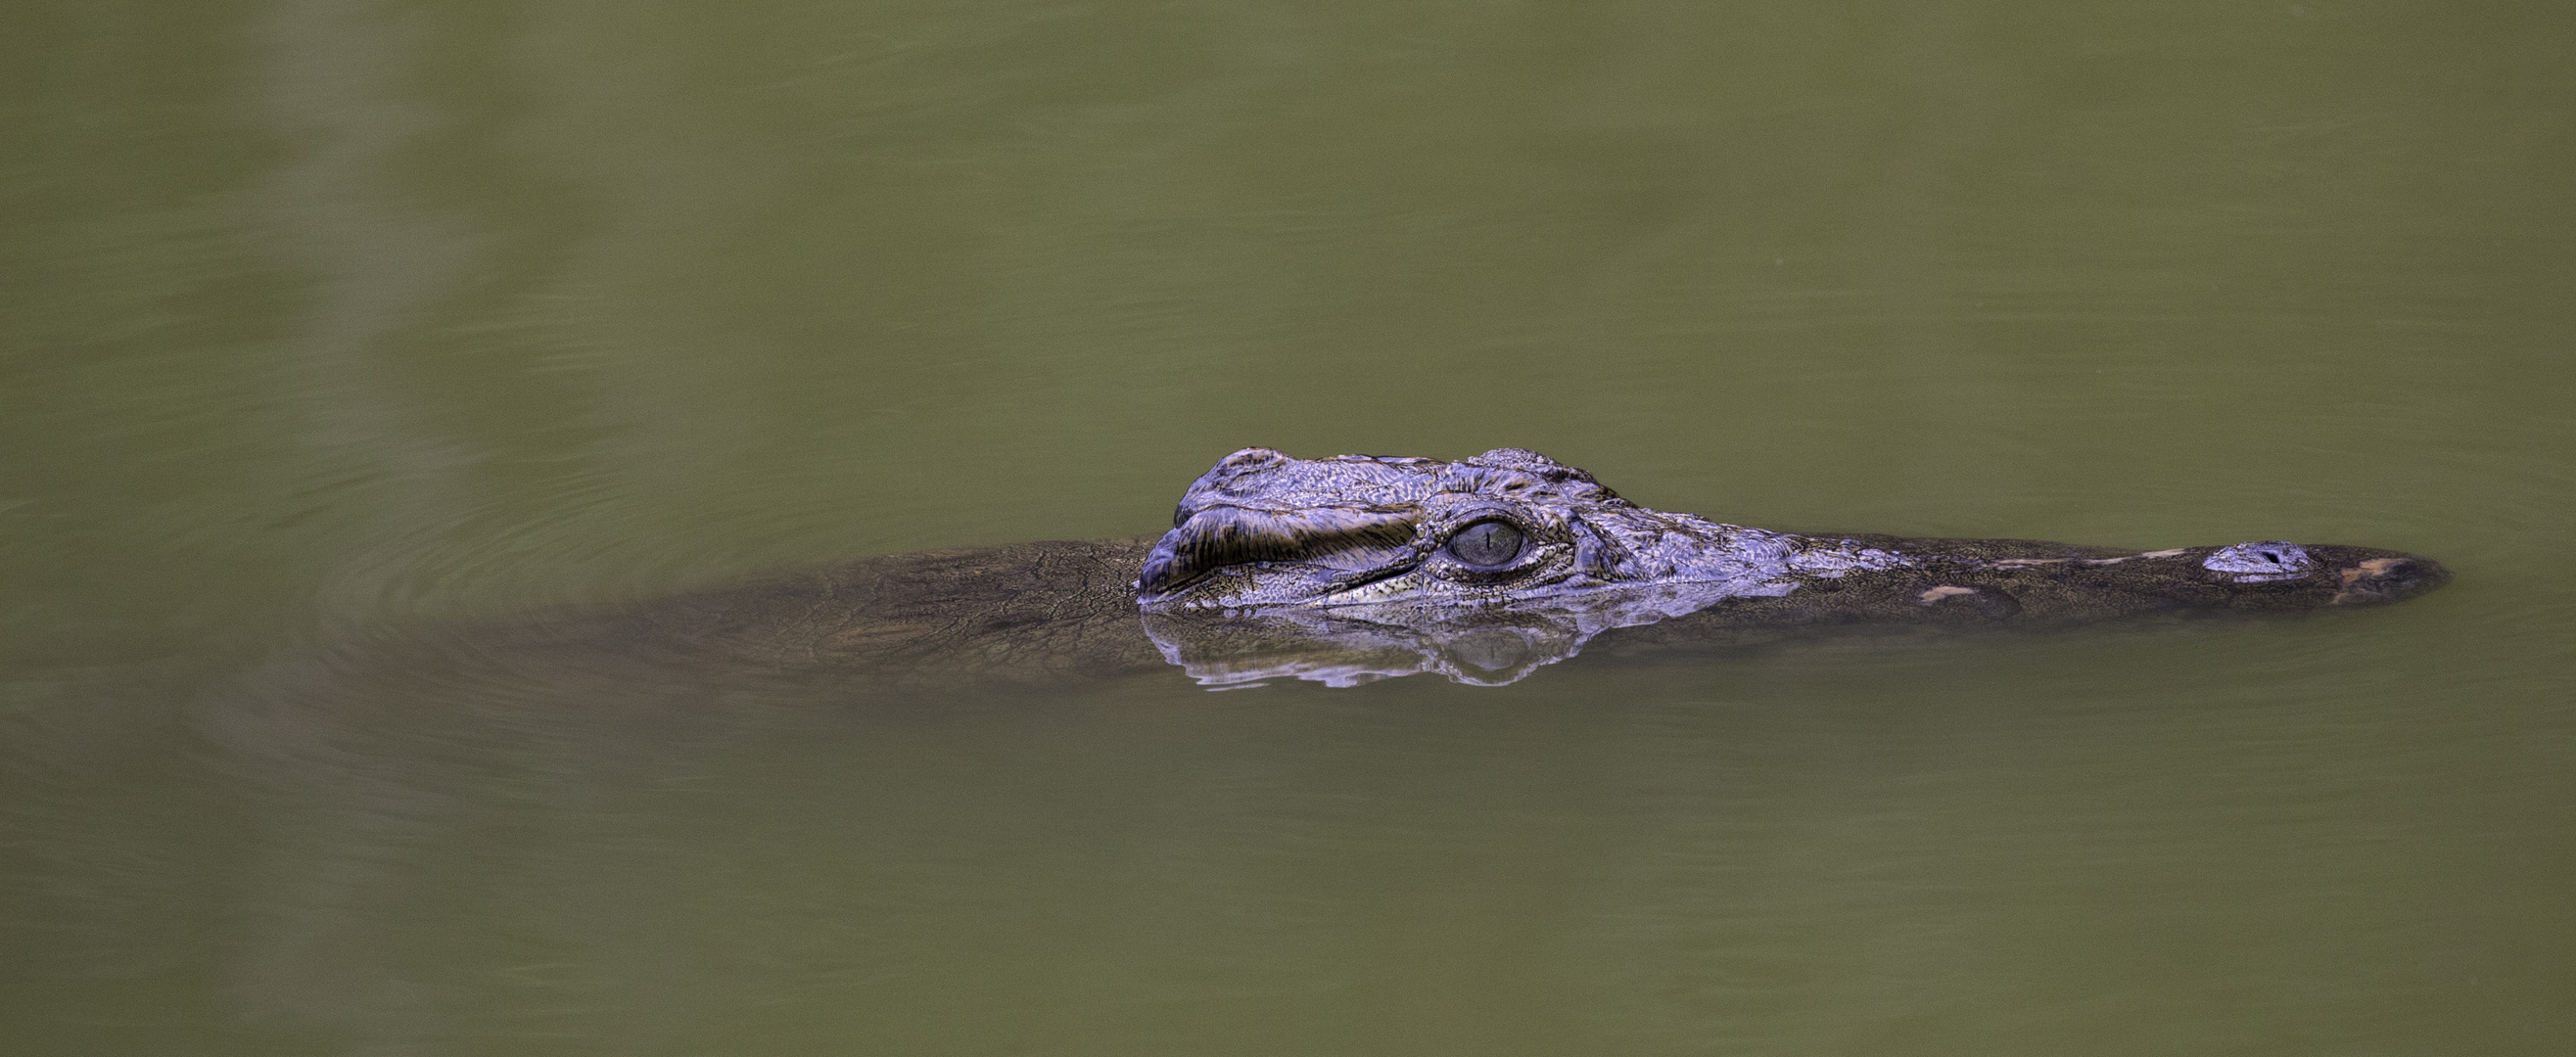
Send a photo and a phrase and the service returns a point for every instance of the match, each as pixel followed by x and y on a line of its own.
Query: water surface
pixel 330 325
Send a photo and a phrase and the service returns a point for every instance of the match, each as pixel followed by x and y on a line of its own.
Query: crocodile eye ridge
pixel 1486 544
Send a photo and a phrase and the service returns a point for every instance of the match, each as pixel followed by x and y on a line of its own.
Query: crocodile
pixel 1353 568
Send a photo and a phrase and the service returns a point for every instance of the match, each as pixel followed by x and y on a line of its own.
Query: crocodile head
pixel 1262 530
pixel 1356 567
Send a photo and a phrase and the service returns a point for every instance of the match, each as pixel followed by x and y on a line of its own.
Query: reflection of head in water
pixel 1348 645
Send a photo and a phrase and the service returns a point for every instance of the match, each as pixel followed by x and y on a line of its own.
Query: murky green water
pixel 332 322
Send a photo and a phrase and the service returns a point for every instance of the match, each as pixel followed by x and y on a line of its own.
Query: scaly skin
pixel 1353 568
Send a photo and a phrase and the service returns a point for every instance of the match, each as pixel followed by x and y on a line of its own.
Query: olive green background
pixel 334 320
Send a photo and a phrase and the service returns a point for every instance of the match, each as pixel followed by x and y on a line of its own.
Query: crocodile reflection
pixel 1488 645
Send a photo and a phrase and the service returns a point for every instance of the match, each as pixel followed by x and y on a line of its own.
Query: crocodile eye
pixel 1486 544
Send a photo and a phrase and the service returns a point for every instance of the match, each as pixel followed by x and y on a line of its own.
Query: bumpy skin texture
pixel 1262 530
pixel 1353 568
pixel 1288 562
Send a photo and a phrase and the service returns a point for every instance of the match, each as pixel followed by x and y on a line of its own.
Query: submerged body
pixel 1353 568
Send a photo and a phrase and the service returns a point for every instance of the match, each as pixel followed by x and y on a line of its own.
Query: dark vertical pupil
pixel 1487 544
